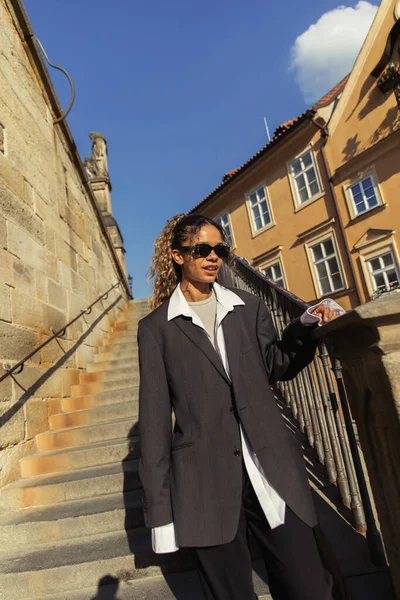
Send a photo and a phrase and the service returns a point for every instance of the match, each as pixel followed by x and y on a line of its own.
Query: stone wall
pixel 55 255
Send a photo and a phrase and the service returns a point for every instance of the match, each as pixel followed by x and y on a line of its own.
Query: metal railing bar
pixel 19 366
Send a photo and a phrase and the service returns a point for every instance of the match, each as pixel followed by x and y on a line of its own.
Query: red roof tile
pixel 279 132
pixel 332 94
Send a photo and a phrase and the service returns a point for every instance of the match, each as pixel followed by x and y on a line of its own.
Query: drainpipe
pixel 324 137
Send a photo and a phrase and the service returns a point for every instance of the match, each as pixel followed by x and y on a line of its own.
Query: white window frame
pixel 255 231
pixel 383 269
pixel 229 223
pixel 350 198
pixel 292 178
pixel 272 264
pixel 310 245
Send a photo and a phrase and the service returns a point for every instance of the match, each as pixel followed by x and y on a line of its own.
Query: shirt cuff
pixel 163 539
pixel 308 319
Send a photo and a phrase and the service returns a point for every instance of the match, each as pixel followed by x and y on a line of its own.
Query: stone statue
pixel 96 165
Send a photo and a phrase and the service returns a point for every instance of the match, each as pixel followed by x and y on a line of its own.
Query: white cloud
pixel 325 53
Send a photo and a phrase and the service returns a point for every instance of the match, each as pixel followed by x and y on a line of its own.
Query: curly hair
pixel 164 270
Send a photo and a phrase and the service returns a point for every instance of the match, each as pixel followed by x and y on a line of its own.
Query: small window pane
pixel 307 160
pixel 379 280
pixel 258 223
pixel 328 245
pixel 375 264
pixel 367 183
pixel 337 281
pixel 321 270
pixel 356 189
pixel 314 188
pixel 317 251
pixel 310 174
pixel 333 266
pixel 296 167
pixel 303 195
pixel 387 259
pixel 301 183
pixel 325 285
pixel 253 199
pixel 392 276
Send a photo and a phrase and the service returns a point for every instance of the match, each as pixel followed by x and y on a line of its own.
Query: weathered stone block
pixel 11 176
pixel 26 247
pixel 15 341
pixel 79 285
pixel 15 210
pixel 64 275
pixel 66 254
pixel 54 319
pixel 55 351
pixel 15 273
pixel 37 381
pixel 28 193
pixel 57 295
pixel 27 311
pixel 41 287
pixel 5 387
pixel 50 241
pixel 3 232
pixel 36 417
pixel 5 306
pixel 2 139
pixel 12 424
pixel 9 461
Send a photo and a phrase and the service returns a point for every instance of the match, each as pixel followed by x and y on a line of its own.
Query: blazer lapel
pixel 199 337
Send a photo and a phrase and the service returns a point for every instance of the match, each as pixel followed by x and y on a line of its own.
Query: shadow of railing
pixel 31 391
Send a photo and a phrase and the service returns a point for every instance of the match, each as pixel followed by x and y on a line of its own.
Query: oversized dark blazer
pixel 191 474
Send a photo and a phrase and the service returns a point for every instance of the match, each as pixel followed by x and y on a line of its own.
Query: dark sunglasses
pixel 204 250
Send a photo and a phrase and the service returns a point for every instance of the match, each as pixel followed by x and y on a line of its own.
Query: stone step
pixel 130 394
pixel 63 487
pixel 130 362
pixel 100 414
pixel 111 374
pixel 78 564
pixel 104 357
pixel 174 586
pixel 119 350
pixel 83 389
pixel 70 520
pixel 120 340
pixel 70 459
pixel 81 436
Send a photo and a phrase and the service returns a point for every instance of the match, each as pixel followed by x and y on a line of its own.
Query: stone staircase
pixel 71 527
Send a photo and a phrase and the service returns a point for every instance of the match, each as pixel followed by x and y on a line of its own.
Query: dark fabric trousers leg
pixel 290 553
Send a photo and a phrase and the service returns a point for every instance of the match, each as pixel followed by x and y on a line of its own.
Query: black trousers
pixel 290 553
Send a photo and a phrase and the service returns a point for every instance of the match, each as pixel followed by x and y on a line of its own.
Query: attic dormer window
pixel 389 80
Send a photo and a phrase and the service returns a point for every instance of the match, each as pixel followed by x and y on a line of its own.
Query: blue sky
pixel 180 89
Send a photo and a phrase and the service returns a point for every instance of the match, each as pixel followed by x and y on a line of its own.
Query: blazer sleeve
pixel 155 429
pixel 284 358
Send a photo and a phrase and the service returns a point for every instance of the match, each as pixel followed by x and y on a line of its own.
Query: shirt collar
pixel 178 304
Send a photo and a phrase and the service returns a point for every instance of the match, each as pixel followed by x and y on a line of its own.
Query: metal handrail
pixel 19 367
pixel 318 400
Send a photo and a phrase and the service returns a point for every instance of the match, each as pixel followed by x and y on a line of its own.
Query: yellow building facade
pixel 317 209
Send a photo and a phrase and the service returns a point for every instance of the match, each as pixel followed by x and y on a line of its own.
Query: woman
pixel 229 465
